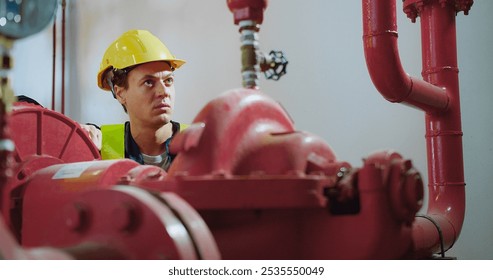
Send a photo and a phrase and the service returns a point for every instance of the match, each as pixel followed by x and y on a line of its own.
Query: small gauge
pixel 22 18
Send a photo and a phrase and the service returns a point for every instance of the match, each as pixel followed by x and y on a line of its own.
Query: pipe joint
pixel 413 8
pixel 247 10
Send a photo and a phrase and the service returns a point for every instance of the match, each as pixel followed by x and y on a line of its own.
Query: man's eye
pixel 169 81
pixel 149 83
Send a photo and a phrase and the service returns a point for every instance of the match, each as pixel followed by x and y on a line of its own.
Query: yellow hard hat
pixel 132 48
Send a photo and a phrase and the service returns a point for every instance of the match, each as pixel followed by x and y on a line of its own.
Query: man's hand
pixel 94 133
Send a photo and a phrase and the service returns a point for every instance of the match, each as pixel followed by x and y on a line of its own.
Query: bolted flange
pixel 413 8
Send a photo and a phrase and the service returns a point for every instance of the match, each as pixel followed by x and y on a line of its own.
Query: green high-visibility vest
pixel 113 142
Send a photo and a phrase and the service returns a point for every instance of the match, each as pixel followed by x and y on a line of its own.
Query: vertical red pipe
pixel 438 96
pixel 63 56
pixel 443 131
pixel 53 86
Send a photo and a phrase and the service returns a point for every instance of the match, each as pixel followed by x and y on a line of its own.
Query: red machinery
pixel 245 183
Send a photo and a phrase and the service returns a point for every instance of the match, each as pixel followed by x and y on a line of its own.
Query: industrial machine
pixel 269 192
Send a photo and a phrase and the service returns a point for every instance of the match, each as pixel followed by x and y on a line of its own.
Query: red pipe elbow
pixel 384 65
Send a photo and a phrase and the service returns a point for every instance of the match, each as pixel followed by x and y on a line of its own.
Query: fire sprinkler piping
pixel 248 15
pixel 437 96
pixel 384 65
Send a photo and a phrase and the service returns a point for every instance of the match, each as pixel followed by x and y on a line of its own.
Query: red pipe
pixel 63 56
pixel 443 131
pixel 384 65
pixel 53 80
pixel 247 10
pixel 438 96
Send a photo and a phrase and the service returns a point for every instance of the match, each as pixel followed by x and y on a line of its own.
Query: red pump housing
pixel 257 196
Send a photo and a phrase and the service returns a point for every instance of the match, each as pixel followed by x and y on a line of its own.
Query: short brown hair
pixel 118 77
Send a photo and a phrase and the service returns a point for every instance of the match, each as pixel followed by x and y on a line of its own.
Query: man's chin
pixel 164 119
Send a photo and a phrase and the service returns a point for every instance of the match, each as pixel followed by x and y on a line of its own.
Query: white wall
pixel 327 90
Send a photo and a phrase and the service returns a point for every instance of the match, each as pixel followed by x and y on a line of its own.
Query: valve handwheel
pixel 275 68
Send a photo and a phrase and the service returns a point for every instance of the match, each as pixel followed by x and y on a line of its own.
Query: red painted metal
pixel 245 184
pixel 62 183
pixel 12 190
pixel 10 176
pixel 89 216
pixel 247 10
pixel 437 95
pixel 384 65
pixel 242 117
pixel 406 186
pixel 124 222
pixel 53 197
pixel 42 138
pixel 11 250
pixel 259 195
pixel 269 182
pixel 40 131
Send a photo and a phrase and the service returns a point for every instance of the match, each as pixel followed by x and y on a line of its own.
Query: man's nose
pixel 162 89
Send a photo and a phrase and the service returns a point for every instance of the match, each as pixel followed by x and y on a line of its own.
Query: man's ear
pixel 120 94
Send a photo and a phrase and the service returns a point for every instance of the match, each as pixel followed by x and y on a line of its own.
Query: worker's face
pixel 150 96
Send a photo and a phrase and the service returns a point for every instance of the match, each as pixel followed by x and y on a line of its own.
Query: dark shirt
pixel 132 150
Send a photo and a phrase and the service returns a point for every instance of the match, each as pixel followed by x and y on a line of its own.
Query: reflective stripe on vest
pixel 113 142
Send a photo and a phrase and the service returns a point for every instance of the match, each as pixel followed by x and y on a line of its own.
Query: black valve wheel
pixel 276 66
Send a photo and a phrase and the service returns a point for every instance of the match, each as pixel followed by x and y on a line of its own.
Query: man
pixel 138 69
